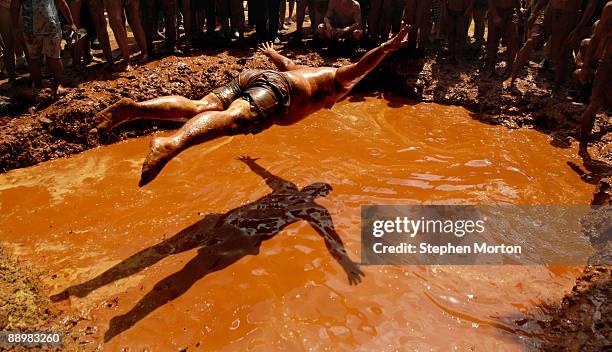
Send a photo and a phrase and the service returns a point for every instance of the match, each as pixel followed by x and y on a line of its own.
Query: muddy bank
pixel 25 305
pixel 582 322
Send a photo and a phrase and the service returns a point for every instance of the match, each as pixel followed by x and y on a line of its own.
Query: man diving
pixel 251 103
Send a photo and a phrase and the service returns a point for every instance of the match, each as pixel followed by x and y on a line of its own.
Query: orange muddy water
pixel 210 256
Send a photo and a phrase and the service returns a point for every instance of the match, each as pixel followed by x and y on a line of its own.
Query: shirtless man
pixel 251 103
pixel 458 12
pixel 342 21
pixel 598 50
pixel 539 24
pixel 503 23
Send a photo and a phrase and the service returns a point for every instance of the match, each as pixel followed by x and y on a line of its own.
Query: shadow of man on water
pixel 223 240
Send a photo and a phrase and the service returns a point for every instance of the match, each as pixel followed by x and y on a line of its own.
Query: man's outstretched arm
pixel 351 74
pixel 283 63
pixel 321 221
pixel 273 181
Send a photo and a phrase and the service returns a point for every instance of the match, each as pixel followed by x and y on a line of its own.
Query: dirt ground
pixel 36 129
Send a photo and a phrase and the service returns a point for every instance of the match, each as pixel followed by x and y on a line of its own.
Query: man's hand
pixel 74 27
pixel 267 49
pixel 247 159
pixel 353 273
pixel 399 40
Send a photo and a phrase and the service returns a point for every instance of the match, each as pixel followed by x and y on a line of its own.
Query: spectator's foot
pixel 111 117
pixel 61 91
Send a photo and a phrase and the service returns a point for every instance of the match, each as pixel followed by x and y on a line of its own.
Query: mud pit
pixel 195 273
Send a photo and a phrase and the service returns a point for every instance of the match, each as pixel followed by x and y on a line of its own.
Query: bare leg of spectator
pixel 96 10
pixel 9 42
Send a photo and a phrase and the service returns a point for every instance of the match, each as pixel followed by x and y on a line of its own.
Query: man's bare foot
pixel 113 115
pixel 161 151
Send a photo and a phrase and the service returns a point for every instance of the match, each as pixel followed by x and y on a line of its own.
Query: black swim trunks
pixel 268 92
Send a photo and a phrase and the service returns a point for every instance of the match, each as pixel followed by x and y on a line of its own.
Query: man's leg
pixel 77 48
pixel 300 14
pixel 237 14
pixel 290 14
pixel 410 18
pixel 202 128
pixel 223 13
pixel 133 16
pixel 273 19
pixel 322 32
pixel 588 116
pixel 187 20
pixel 211 24
pixel 169 10
pixel 479 25
pixel 521 58
pixel 451 23
pixel 374 18
pixel 261 18
pixel 461 35
pixel 117 24
pixel 492 43
pixel 512 39
pixel 6 32
pixel 96 10
pixel 570 21
pixel 397 14
pixel 283 14
pixel 320 8
pixel 170 108
pixel 52 51
pixel 601 93
pixel 424 22
pixel 386 19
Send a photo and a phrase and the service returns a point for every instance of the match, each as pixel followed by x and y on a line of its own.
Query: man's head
pixel 317 189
